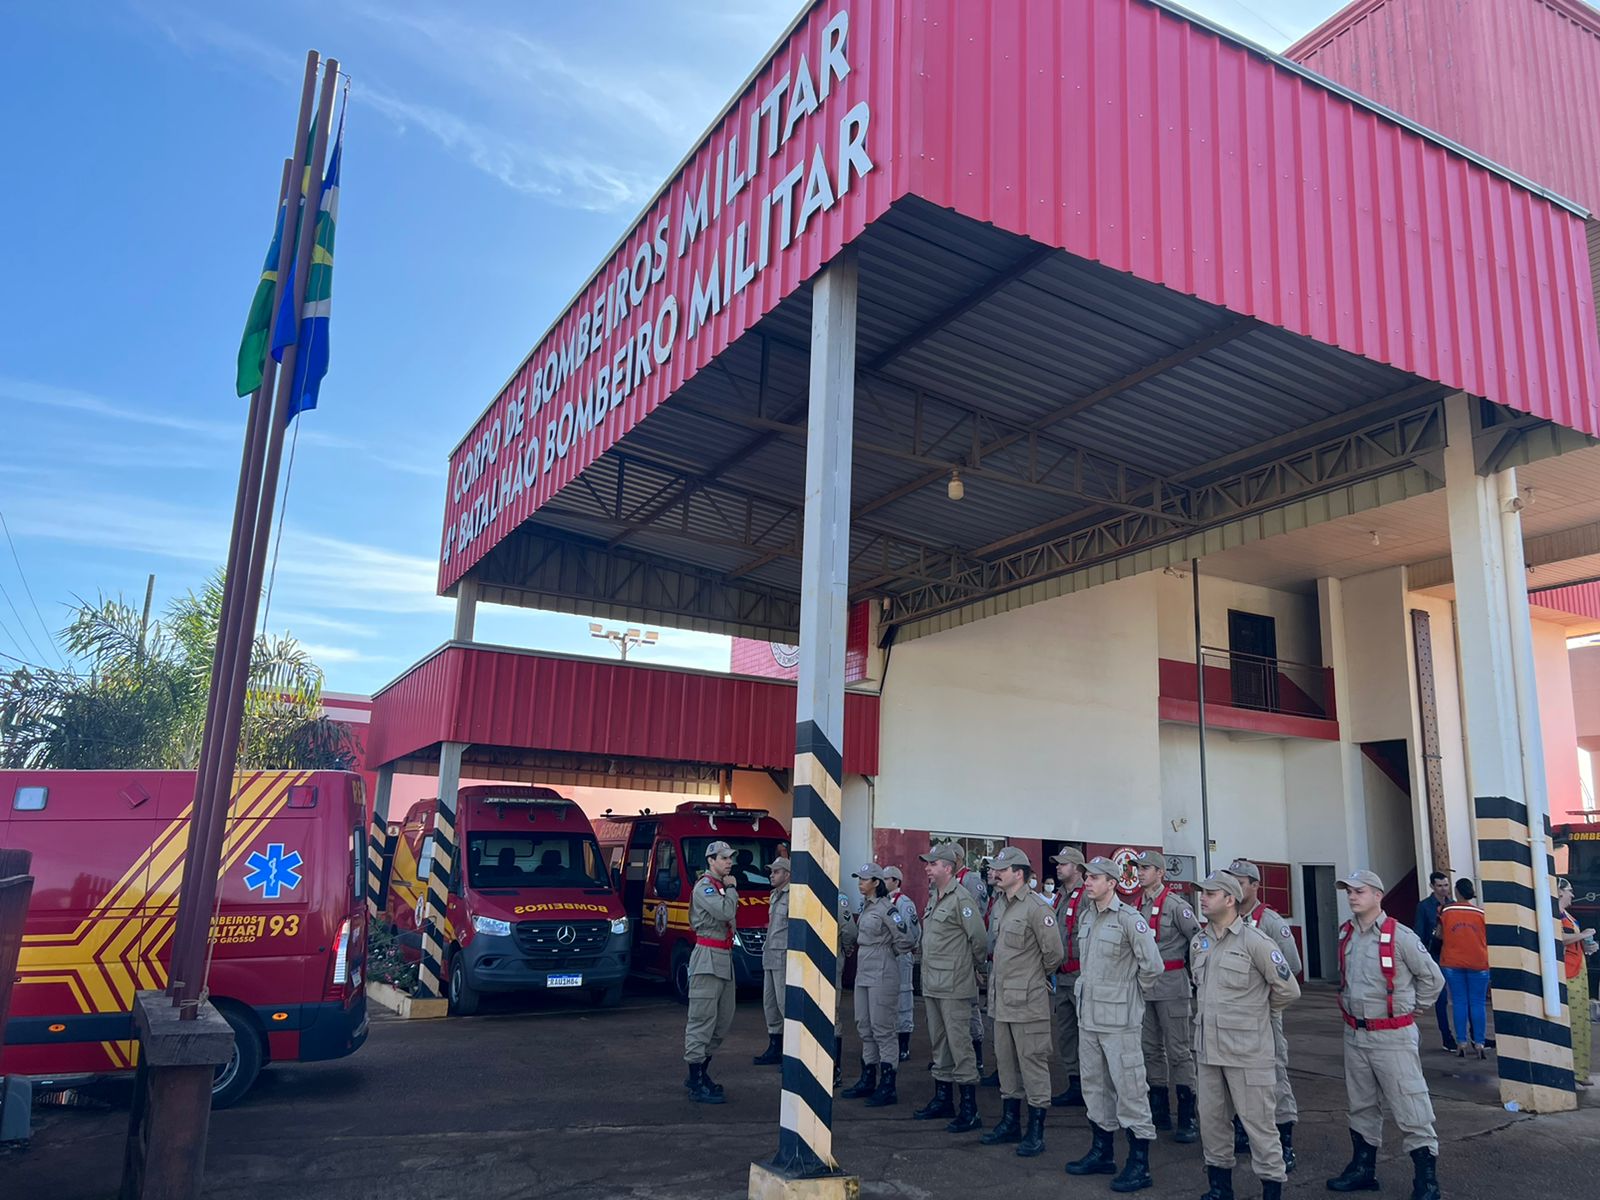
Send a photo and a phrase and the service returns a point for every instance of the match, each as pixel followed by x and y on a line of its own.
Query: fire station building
pixel 1190 446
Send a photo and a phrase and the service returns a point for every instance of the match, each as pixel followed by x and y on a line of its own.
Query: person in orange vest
pixel 1069 899
pixel 1385 977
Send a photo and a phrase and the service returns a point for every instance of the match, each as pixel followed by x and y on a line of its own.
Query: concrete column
pixel 805 1137
pixel 466 610
pixel 1506 768
pixel 430 973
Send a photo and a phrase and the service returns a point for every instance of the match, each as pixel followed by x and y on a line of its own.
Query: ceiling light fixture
pixel 955 489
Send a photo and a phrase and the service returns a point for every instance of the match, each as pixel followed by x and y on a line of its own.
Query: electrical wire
pixel 23 575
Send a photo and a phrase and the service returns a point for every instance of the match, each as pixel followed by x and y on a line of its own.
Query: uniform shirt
pixel 1240 979
pixel 1070 903
pixel 882 937
pixel 847 940
pixel 1118 962
pixel 1177 926
pixel 954 946
pixel 1276 928
pixel 712 908
pixel 1417 981
pixel 777 943
pixel 1027 951
pixel 907 908
pixel 973 883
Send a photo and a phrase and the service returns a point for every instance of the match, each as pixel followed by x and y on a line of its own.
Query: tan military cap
pixel 869 871
pixel 1010 856
pixel 894 874
pixel 943 852
pixel 1368 879
pixel 1243 868
pixel 1070 855
pixel 1151 858
pixel 1222 881
pixel 719 850
pixel 781 864
pixel 1103 866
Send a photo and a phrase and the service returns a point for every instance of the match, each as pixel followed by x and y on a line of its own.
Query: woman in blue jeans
pixel 1464 957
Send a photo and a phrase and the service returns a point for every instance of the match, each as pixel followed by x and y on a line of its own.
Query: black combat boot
pixel 1360 1175
pixel 1008 1128
pixel 967 1115
pixel 1286 1140
pixel 1160 1108
pixel 1102 1156
pixel 1424 1180
pixel 977 1050
pixel 705 1071
pixel 1135 1173
pixel 1072 1097
pixel 1221 1179
pixel 838 1061
pixel 905 1046
pixel 772 1055
pixel 884 1094
pixel 865 1086
pixel 699 1091
pixel 1271 1189
pixel 1241 1139
pixel 939 1106
pixel 1032 1144
pixel 1188 1131
pixel 992 1079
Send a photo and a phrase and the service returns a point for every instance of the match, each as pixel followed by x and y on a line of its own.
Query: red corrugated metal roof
pixel 1579 599
pixel 520 699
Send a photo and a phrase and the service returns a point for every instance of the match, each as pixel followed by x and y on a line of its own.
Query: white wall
pixel 1295 614
pixel 1558 726
pixel 1376 676
pixel 1391 850
pixel 1045 719
pixel 1245 778
pixel 855 829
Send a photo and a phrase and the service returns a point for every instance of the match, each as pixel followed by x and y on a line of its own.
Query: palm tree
pixel 142 700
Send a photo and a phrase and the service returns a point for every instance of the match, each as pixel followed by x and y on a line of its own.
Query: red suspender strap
pixel 1172 964
pixel 1386 965
pixel 1255 917
pixel 1069 922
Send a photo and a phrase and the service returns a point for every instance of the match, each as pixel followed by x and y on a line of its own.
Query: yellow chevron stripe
pixel 795 1114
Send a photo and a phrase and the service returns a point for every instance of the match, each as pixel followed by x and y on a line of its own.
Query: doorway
pixel 1253 660
pixel 1322 923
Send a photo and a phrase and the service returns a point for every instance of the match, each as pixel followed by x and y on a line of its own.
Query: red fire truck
pixel 532 907
pixel 655 859
pixel 1580 844
pixel 109 848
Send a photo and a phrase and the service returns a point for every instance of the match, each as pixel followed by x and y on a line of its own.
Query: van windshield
pixel 522 860
pixel 752 857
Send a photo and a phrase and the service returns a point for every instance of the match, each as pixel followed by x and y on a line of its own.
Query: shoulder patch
pixel 711 891
pixel 1188 914
pixel 1284 972
pixel 1049 920
pixel 894 915
pixel 1141 926
pixel 1277 957
pixel 966 912
pixel 1202 942
pixel 1283 932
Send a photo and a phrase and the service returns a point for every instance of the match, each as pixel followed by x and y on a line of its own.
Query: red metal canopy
pixel 491 697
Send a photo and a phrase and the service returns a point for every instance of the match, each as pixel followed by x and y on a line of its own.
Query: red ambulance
pixel 109 847
pixel 532 907
pixel 655 859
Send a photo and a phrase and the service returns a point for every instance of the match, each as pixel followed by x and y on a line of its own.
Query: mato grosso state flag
pixel 311 363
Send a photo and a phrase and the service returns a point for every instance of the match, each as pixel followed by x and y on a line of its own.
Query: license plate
pixel 565 981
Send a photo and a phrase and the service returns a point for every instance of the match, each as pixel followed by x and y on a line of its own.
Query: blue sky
pixel 494 152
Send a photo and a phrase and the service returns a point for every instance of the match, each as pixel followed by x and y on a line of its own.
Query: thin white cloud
pixel 323 654
pixel 64 399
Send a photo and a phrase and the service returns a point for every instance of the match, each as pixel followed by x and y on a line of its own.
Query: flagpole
pixel 237 638
pixel 185 966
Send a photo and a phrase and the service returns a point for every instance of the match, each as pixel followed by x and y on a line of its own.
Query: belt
pixel 714 943
pixel 1067 968
pixel 1174 964
pixel 1375 1024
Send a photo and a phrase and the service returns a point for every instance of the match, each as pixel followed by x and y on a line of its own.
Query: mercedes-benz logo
pixel 566 935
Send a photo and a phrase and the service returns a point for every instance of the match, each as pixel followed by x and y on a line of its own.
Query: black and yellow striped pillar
pixel 805 1115
pixel 1532 1051
pixel 381 840
pixel 436 905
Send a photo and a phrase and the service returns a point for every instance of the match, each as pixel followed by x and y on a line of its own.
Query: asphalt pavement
pixel 543 1100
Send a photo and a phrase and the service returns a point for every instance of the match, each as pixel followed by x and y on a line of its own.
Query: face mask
pixel 1049 886
pixel 1033 883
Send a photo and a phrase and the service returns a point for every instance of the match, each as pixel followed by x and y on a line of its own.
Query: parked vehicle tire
pixel 236 1076
pixel 462 995
pixel 680 974
pixel 607 997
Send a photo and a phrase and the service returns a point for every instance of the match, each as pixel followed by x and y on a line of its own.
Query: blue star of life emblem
pixel 273 872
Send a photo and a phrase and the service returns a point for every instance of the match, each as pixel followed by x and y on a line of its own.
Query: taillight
pixel 341 955
pixel 345 978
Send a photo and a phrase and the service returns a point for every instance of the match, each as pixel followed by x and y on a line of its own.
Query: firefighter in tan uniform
pixel 1168 1015
pixel 905 1011
pixel 1069 899
pixel 1118 961
pixel 881 938
pixel 773 952
pixel 713 907
pixel 972 882
pixel 847 947
pixel 1027 951
pixel 1256 914
pixel 1242 981
pixel 1385 977
pixel 954 956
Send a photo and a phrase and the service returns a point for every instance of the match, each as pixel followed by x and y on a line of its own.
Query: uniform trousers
pixel 905 1008
pixel 1382 1071
pixel 876 1006
pixel 1286 1110
pixel 772 984
pixel 1251 1093
pixel 1022 1054
pixel 1066 1023
pixel 1169 1042
pixel 710 1016
pixel 1115 1092
pixel 953 1057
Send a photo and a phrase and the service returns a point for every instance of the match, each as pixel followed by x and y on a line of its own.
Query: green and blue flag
pixel 311 362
